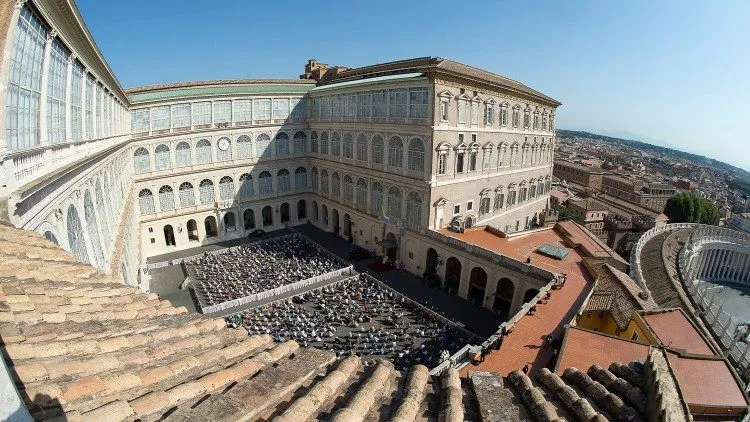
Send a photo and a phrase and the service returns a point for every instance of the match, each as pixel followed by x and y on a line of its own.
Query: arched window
pixel 394 201
pixel 244 147
pixel 336 185
pixel 141 161
pixel 376 199
pixel 265 183
pixel 361 147
pixel 314 141
pixel 314 177
pixel 169 235
pixel 348 145
pixel 203 152
pixel 324 143
pixel 282 178
pixel 226 188
pixel 324 181
pixel 93 228
pixel 162 158
pixel 226 154
pixel 282 143
pixel 300 143
pixel 210 225
pixel 264 145
pixel 377 149
pixel 335 144
pixel 348 188
pixel 182 154
pixel 416 154
pixel 230 223
pixel 192 230
pixel 395 152
pixel 300 178
pixel 146 202
pixel 166 198
pixel 246 185
pixel 187 196
pixel 206 188
pixel 414 209
pixel 267 215
pixel 361 192
pixel 76 240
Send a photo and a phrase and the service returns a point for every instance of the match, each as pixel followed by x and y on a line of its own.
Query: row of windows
pixel 468 109
pixel 263 146
pixel 465 158
pixel 399 103
pixel 23 105
pixel 217 113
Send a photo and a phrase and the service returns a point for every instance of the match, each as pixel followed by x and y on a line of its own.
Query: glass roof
pixel 210 91
pixel 552 251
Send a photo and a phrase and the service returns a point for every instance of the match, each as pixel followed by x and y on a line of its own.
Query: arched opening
pixel 169 235
pixel 301 209
pixel 530 295
pixel 211 227
pixel 229 222
pixel 503 297
pixel 348 227
pixel 468 222
pixel 248 218
pixel 431 263
pixel 335 221
pixel 285 212
pixel 315 210
pixel 324 210
pixel 51 237
pixel 391 250
pixel 452 274
pixel 192 230
pixel 477 285
pixel 267 215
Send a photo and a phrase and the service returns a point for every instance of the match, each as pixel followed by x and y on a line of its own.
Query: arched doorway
pixel 504 297
pixel 267 215
pixel 324 210
pixel 335 220
pixel 477 285
pixel 285 212
pixel 392 249
pixel 431 263
pixel 210 225
pixel 301 209
pixel 315 210
pixel 348 226
pixel 468 222
pixel 192 230
pixel 530 295
pixel 452 274
pixel 169 235
pixel 229 222
pixel 248 218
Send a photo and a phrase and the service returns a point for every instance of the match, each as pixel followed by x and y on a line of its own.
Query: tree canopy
pixel 687 207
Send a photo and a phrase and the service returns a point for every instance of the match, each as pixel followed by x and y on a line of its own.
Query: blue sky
pixel 674 72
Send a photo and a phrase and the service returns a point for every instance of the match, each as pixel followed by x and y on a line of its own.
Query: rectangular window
pixel 444 111
pixel 280 108
pixel 457 209
pixel 336 105
pixel 504 116
pixel 472 161
pixel 461 111
pixel 24 81
pixel 262 109
pixel 140 121
pixel 316 108
pixel 350 106
pixel 90 107
pixel 418 103
pixel 460 162
pixel 181 115
pixel 243 111
pixel 160 118
pixel 397 103
pixel 486 159
pixel 441 163
pixel 489 116
pixel 299 108
pixel 469 205
pixel 202 113
pixel 379 104
pixel 222 112
pixel 474 113
pixel 364 106
pixel 325 107
pixel 76 102
pixel 56 86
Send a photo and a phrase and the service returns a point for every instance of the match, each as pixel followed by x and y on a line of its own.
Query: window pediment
pixel 440 202
pixel 464 97
pixel 460 147
pixel 490 101
pixel 476 99
pixel 485 191
pixel 488 145
pixel 444 147
pixel 446 95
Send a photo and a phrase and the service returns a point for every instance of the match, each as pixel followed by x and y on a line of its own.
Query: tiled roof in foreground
pixel 81 346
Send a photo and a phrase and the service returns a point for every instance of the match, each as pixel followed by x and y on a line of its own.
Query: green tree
pixel 563 213
pixel 687 207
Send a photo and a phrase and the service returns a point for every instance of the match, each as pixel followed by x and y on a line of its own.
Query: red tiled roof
pixel 706 382
pixel 675 331
pixel 583 348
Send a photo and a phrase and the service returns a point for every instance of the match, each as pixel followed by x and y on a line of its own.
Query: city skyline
pixel 643 72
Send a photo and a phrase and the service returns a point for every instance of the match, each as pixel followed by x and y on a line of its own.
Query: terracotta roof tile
pixel 582 349
pixel 674 330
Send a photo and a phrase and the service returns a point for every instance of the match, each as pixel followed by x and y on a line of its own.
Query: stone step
pixel 250 398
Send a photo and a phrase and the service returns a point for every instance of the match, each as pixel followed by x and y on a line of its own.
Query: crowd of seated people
pixel 258 267
pixel 359 317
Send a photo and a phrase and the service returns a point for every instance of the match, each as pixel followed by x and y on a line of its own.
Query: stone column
pixel 94 96
pixel 44 91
